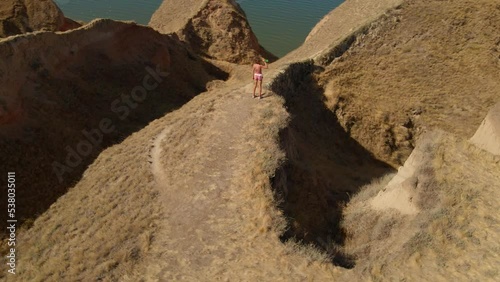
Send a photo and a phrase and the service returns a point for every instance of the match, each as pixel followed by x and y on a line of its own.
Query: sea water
pixel 280 25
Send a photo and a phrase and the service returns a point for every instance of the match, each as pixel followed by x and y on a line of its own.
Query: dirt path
pixel 156 151
pixel 197 199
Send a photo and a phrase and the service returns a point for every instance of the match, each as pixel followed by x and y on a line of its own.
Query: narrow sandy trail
pixel 155 155
pixel 197 198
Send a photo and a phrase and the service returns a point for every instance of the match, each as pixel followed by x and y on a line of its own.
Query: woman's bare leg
pixel 255 87
pixel 260 89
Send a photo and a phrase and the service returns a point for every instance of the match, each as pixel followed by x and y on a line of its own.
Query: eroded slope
pixel 65 97
pixel 453 221
pixel 427 65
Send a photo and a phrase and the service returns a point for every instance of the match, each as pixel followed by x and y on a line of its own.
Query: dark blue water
pixel 280 25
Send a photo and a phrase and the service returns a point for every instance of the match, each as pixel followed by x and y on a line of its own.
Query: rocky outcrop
pixel 487 137
pixel 217 29
pixel 402 192
pixel 21 16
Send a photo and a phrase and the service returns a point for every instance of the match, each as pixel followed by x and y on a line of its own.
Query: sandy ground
pixel 487 136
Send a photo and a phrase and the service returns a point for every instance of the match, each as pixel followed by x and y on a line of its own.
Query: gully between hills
pixel 324 167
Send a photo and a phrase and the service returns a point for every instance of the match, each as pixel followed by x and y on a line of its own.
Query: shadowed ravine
pixel 324 167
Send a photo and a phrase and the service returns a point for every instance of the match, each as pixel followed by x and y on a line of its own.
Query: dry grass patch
pixel 426 64
pixel 445 238
pixel 103 227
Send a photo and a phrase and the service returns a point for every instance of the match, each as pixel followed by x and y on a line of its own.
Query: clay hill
pixel 68 96
pixel 21 16
pixel 372 157
pixel 217 29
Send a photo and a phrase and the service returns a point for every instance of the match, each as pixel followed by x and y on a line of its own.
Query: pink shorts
pixel 258 76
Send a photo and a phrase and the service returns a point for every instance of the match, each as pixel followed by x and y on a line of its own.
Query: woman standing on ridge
pixel 257 75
